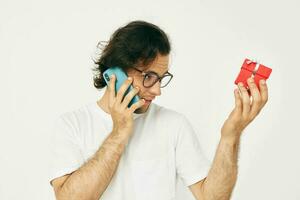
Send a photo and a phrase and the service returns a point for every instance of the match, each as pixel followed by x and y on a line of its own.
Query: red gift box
pixel 252 69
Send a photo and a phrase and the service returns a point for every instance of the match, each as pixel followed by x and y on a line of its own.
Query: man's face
pixel 160 66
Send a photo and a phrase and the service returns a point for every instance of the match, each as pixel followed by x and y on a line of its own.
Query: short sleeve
pixel 66 156
pixel 191 163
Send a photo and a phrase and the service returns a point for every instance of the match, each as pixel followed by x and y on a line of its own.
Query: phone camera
pixel 107 77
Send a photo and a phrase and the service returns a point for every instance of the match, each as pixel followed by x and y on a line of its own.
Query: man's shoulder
pixel 75 115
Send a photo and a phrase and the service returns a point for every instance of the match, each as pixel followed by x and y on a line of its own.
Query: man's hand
pixel 222 176
pixel 246 109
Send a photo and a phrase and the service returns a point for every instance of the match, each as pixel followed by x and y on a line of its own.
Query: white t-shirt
pixel 162 147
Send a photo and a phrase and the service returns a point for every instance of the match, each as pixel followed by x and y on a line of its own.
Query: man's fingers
pixel 238 101
pixel 263 92
pixel 129 97
pixel 137 105
pixel 123 89
pixel 245 100
pixel 256 98
pixel 111 88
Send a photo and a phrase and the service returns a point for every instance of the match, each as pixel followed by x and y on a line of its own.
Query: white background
pixel 46 50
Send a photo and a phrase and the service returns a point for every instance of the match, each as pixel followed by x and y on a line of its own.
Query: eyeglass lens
pixel 151 78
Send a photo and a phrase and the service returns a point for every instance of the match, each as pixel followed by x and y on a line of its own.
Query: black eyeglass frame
pixel 158 78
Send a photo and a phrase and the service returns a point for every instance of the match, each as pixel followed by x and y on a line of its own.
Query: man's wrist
pixel 231 140
pixel 120 137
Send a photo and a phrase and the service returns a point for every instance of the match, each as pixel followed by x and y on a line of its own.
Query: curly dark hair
pixel 136 43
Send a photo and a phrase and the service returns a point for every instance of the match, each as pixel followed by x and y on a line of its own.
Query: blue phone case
pixel 121 76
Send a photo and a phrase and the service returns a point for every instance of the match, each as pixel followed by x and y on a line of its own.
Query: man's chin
pixel 142 109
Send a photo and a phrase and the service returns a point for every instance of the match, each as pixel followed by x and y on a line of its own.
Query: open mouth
pixel 148 101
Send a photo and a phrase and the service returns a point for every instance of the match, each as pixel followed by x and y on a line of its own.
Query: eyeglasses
pixel 150 78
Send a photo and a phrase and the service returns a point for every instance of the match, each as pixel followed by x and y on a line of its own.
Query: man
pixel 110 151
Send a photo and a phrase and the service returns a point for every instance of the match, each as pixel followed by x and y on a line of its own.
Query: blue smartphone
pixel 121 76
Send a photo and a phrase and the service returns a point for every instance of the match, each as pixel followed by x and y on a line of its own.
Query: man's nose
pixel 155 89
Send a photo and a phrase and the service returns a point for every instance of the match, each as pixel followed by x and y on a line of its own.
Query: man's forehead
pixel 157 68
pixel 160 65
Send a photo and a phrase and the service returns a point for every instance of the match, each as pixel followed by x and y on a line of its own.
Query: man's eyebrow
pixel 156 72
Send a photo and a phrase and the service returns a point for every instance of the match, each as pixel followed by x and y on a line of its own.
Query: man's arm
pixel 220 181
pixel 91 179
